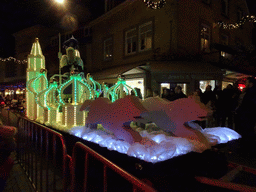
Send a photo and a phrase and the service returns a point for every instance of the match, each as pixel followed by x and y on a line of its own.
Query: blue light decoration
pixel 119 90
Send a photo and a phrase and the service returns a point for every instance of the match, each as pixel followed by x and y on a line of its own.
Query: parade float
pixel 107 118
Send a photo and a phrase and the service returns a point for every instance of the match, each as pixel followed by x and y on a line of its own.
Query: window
pixel 205 38
pixel 108 49
pixel 131 41
pixel 145 36
pixel 224 39
pixel 224 7
pixel 139 39
pixel 239 15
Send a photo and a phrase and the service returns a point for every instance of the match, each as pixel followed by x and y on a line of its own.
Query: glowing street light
pixel 59 1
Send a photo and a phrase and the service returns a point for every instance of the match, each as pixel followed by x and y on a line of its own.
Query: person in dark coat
pixel 246 114
pixel 226 103
pixel 178 93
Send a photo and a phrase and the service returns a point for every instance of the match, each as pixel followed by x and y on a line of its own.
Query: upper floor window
pixel 139 39
pixel 205 38
pixel 108 49
pixel 224 7
pixel 145 36
pixel 239 15
pixel 131 41
pixel 224 39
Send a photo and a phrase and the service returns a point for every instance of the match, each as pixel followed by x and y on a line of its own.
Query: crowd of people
pixel 231 107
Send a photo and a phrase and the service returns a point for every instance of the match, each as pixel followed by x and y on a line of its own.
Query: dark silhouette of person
pixel 225 106
pixel 138 92
pixel 246 114
pixel 166 94
pixel 178 93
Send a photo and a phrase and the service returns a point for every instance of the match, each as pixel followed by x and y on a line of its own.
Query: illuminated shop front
pixel 189 75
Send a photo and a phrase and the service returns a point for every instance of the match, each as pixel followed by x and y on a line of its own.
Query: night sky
pixel 16 15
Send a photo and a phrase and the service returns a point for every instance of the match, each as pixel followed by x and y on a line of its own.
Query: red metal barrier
pixel 137 184
pixel 43 155
pixel 226 180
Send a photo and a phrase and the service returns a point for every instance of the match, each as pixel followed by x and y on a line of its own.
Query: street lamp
pixel 59 1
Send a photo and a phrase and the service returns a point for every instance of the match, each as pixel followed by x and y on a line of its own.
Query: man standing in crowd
pixel 178 93
pixel 246 114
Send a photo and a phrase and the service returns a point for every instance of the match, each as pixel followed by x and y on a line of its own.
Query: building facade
pixel 181 43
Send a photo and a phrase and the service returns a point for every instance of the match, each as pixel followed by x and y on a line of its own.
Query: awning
pixel 114 72
pixel 183 67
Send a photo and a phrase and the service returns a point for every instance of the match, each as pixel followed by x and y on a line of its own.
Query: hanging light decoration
pixel 155 4
pixel 248 18
pixel 14 59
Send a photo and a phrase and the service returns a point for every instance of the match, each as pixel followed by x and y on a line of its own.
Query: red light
pixel 241 86
pixel 2 103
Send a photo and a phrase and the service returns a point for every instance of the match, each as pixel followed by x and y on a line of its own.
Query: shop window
pixel 131 41
pixel 205 38
pixel 224 7
pixel 204 84
pixel 108 49
pixel 184 87
pixel 145 36
pixel 137 83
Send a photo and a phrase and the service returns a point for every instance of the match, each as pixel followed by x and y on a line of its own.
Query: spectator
pixel 155 93
pixel 178 93
pixel 225 106
pixel 166 93
pixel 246 114
pixel 138 92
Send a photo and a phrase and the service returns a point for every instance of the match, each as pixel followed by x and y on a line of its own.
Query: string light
pixel 14 59
pixel 248 18
pixel 155 5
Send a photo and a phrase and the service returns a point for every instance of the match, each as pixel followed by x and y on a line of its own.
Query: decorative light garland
pixel 249 18
pixel 14 59
pixel 155 4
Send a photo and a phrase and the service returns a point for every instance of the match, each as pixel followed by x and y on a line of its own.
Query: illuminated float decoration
pixel 36 80
pixel 48 101
pixel 119 90
pixel 74 105
pixel 71 103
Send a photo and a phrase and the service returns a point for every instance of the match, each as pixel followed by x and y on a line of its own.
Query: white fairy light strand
pixel 249 18
pixel 14 59
pixel 155 5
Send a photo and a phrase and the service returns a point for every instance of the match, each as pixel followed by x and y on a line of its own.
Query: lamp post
pixel 59 53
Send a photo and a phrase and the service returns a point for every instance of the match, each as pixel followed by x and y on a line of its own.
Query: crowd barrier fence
pixel 80 150
pixel 42 153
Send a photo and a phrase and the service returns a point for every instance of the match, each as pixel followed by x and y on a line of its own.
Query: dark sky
pixel 16 15
pixel 19 14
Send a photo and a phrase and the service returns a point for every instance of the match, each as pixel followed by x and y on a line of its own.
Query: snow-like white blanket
pixel 166 146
